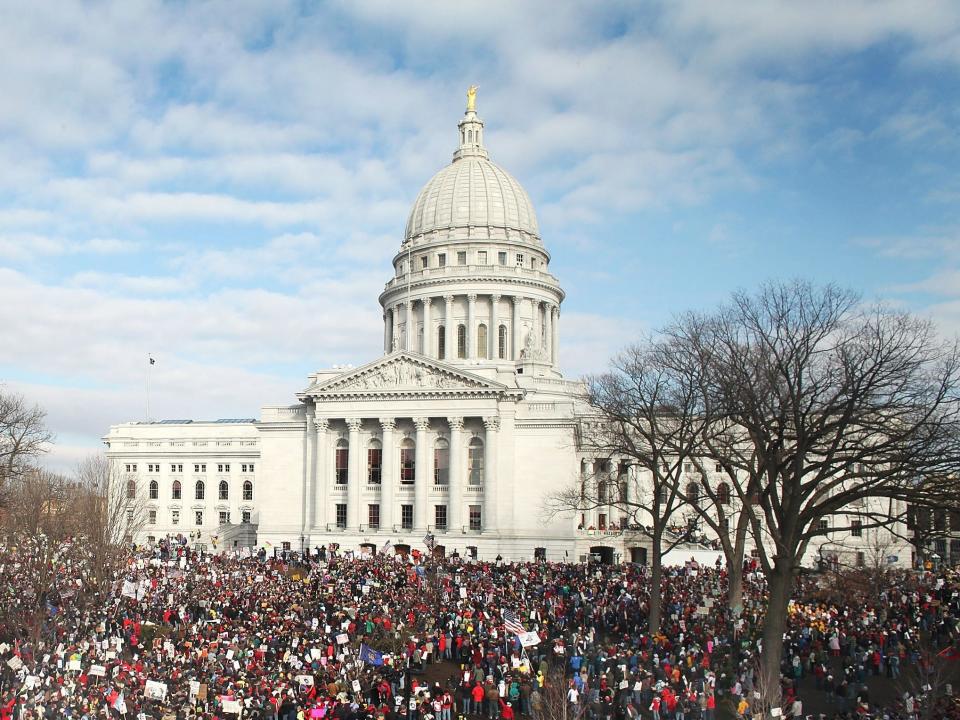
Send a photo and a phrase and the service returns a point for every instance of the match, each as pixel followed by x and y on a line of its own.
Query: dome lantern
pixel 471 129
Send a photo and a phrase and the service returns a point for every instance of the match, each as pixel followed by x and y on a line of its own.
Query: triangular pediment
pixel 405 372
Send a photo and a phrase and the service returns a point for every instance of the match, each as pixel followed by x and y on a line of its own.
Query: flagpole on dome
pixel 150 363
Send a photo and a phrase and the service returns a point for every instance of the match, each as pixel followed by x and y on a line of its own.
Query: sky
pixel 222 185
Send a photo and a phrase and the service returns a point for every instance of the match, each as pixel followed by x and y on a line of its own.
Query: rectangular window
pixel 502 258
pixel 688 467
pixel 223 468
pixel 245 516
pixel 718 467
pixel 373 516
pixel 342 460
pixel 861 559
pixel 198 517
pixel 602 521
pixel 856 528
pixel 200 467
pixel 341 515
pixel 152 517
pixel 519 259
pixel 286 545
pixel 374 465
pixel 176 468
pixel 475 517
pixel 823 524
pixel 131 467
pixel 440 517
pixel 461 257
pixel 424 262
pixel 406 517
pixel 408 468
pixel 441 466
pixel 533 263
pixel 224 517
pixel 481 257
pixel 175 517
pixel 441 259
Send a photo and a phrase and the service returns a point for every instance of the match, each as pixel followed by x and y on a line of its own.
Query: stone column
pixel 427 328
pixel 395 333
pixel 321 473
pixel 408 340
pixel 493 334
pixel 309 475
pixel 448 329
pixel 421 517
pixel 387 327
pixel 471 326
pixel 455 509
pixel 354 474
pixel 556 335
pixel 515 322
pixel 387 477
pixel 548 334
pixel 490 481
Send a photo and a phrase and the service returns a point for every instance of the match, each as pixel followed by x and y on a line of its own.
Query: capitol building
pixel 460 430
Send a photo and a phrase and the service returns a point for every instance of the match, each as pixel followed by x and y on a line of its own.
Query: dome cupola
pixel 472 282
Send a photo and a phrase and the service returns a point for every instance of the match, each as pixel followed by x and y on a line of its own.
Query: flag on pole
pixel 511 622
pixel 152 361
pixel 429 540
pixel 386 546
pixel 369 655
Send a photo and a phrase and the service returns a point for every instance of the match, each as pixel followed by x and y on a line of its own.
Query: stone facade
pixel 461 429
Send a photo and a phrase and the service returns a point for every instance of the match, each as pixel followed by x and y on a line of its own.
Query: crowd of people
pixel 185 634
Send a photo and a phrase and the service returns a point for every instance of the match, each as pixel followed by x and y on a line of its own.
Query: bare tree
pixel 111 511
pixel 816 404
pixel 23 436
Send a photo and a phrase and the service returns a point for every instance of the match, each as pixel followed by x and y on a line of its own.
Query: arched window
pixel 420 340
pixel 482 341
pixel 502 342
pixel 177 490
pixel 248 490
pixel 441 462
pixel 224 490
pixel 475 461
pixel 131 489
pixel 199 490
pixel 154 490
pixel 441 342
pixel 374 462
pixel 342 461
pixel 723 494
pixel 693 492
pixel 408 462
pixel 461 341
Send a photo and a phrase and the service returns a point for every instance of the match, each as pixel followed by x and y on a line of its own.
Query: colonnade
pixel 386 491
pixel 405 320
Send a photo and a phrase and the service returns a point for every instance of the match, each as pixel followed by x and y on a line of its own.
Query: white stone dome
pixel 472 192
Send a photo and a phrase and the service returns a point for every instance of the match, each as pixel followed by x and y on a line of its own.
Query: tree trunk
pixel 656 573
pixel 735 587
pixel 735 567
pixel 779 586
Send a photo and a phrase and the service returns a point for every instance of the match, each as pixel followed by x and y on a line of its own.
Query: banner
pixel 155 690
pixel 529 639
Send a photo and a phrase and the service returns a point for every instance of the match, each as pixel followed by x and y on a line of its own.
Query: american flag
pixel 511 622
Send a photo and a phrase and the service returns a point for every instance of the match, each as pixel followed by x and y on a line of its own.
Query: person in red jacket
pixel 506 710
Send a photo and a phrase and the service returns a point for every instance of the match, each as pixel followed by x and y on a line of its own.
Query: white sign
pixel 194 688
pixel 15 663
pixel 98 670
pixel 73 665
pixel 155 690
pixel 529 639
pixel 343 639
pixel 231 706
pixel 356 686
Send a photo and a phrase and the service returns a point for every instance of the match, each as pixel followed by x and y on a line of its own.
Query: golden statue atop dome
pixel 472 98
